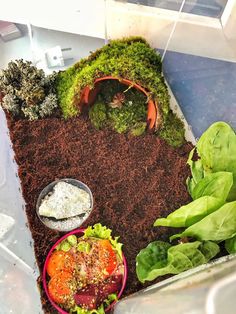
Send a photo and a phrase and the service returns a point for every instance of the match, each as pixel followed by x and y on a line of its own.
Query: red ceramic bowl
pixel 77 232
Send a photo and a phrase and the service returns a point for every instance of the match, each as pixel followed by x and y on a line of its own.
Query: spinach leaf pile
pixel 209 219
pixel 159 258
pixel 217 151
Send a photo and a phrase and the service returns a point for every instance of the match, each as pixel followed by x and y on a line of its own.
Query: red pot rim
pixel 60 310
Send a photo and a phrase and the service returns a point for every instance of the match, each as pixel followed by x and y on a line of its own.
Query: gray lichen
pixel 48 105
pixel 31 112
pixel 28 90
pixel 10 103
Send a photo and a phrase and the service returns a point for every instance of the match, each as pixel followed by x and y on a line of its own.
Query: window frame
pixel 108 19
pixel 194 34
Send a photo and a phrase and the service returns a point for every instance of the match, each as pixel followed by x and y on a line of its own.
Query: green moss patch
pixel 173 130
pixel 120 107
pixel 98 115
pixel 132 59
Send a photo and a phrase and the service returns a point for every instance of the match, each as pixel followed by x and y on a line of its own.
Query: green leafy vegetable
pixel 98 231
pixel 102 232
pixel 159 259
pixel 218 226
pixel 216 142
pixel 217 150
pixel 154 256
pixel 215 184
pixel 191 213
pixel 208 218
pixel 230 245
pixel 196 170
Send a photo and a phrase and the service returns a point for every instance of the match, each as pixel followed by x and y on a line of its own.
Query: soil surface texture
pixel 134 180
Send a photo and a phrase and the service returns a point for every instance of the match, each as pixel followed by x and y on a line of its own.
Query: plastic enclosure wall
pixel 18 274
pixel 18 268
pixel 207 289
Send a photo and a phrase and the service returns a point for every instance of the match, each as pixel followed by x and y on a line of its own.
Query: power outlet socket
pixel 54 57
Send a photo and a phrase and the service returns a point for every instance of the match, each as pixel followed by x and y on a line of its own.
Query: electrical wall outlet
pixel 54 57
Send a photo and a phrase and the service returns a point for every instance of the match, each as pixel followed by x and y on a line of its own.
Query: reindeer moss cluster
pixel 130 58
pixel 28 91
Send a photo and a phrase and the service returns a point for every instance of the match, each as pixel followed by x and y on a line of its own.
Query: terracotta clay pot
pixel 88 97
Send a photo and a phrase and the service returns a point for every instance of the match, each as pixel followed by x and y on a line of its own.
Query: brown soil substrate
pixel 134 180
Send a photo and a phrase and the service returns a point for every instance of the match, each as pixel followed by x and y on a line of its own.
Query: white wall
pixel 44 39
pixel 194 34
pixel 81 46
pixel 14 49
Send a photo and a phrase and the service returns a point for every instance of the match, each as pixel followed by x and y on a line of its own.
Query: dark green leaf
pixel 172 260
pixel 196 167
pixel 153 256
pixel 230 245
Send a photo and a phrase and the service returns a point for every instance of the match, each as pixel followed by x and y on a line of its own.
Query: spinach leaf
pixel 191 213
pixel 153 256
pixel 196 170
pixel 218 226
pixel 230 245
pixel 190 185
pixel 215 184
pixel 217 150
pixel 173 260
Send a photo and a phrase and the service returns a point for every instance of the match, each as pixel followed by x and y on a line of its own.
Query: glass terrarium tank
pixel 136 100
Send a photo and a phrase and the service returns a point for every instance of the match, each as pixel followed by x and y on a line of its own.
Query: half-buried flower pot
pixel 88 97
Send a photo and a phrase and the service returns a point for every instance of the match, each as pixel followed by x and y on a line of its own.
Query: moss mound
pixel 130 58
pixel 173 130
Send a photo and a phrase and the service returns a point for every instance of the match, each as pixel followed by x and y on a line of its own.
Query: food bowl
pixel 78 232
pixel 70 223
